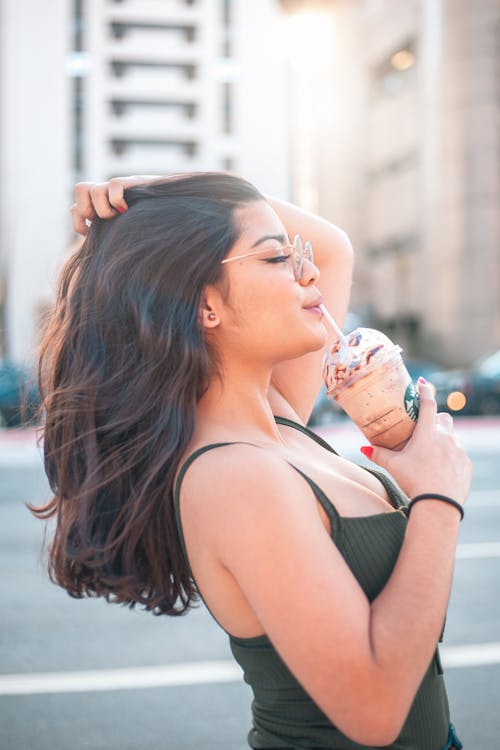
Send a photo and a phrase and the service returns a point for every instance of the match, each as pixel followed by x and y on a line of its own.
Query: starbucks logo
pixel 411 402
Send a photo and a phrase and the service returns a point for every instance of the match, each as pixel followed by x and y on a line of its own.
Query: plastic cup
pixel 382 402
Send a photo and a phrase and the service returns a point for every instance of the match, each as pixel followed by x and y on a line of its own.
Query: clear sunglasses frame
pixel 299 253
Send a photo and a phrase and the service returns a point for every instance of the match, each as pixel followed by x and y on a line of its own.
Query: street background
pixel 380 115
pixel 193 695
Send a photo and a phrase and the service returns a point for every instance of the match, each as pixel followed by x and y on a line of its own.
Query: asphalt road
pixel 69 669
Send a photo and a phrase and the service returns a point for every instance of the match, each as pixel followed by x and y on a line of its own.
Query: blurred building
pixel 95 88
pixel 34 164
pixel 397 140
pixel 174 86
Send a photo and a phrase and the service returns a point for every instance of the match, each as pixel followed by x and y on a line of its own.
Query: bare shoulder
pixel 239 470
pixel 240 491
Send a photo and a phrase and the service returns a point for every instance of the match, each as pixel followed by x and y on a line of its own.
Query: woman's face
pixel 267 314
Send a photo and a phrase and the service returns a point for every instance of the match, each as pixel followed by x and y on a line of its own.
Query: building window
pixel 121 29
pixel 120 146
pixel 227 13
pixel 227 47
pixel 227 21
pixel 405 327
pixel 392 167
pixel 78 72
pixel 227 107
pixel 120 107
pixel 120 67
pixel 395 246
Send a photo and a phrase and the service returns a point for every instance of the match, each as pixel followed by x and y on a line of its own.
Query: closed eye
pixel 277 259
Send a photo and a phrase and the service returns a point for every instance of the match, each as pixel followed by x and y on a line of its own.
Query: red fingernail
pixel 367 450
pixel 422 380
pixel 121 209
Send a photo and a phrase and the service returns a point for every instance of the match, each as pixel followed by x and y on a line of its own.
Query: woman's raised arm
pixel 297 382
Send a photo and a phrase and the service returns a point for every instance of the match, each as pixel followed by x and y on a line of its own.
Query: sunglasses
pixel 299 252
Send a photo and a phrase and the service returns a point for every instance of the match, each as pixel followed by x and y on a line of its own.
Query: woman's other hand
pixel 432 460
pixel 103 199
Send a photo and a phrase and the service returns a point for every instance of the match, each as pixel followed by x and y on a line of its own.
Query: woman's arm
pixel 296 383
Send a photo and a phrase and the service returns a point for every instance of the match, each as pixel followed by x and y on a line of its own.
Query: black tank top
pixel 284 716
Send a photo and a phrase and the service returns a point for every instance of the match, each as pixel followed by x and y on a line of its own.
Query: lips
pixel 317 302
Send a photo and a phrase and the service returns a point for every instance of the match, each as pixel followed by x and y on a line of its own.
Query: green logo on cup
pixel 411 402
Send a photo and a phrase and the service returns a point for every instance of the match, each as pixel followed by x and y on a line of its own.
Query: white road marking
pixel 12 457
pixel 191 673
pixel 484 499
pixel 133 678
pixel 477 550
pixel 484 468
pixel 473 655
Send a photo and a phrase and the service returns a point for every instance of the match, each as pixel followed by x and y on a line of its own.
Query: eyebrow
pixel 279 237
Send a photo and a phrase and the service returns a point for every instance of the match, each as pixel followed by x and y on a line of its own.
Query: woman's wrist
pixel 328 240
pixel 439 498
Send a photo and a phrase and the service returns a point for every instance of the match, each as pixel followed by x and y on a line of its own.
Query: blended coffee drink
pixel 365 373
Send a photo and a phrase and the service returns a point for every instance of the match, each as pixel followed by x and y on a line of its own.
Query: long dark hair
pixel 122 365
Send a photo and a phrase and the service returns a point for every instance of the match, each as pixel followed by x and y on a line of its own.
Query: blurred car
pixel 419 367
pixel 19 396
pixel 471 391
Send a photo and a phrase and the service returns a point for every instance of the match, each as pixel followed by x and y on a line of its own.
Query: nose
pixel 310 273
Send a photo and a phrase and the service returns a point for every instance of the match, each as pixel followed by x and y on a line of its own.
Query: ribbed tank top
pixel 284 715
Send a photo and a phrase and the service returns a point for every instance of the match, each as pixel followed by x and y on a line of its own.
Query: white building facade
pixel 160 90
pixel 35 157
pixel 120 87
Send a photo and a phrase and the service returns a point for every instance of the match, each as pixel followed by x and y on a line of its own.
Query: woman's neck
pixel 237 406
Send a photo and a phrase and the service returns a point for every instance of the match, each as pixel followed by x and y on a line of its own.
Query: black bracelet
pixel 434 496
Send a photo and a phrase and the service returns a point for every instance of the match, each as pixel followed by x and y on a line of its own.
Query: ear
pixel 211 303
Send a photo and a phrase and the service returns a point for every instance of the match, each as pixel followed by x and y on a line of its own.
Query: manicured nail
pixel 422 380
pixel 121 209
pixel 367 450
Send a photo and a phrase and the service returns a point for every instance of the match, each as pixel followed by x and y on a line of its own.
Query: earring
pixel 212 316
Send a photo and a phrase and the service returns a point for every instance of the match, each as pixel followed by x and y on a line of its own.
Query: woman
pixel 179 370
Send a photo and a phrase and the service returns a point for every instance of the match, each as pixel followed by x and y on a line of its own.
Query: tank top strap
pixel 396 495
pixel 306 431
pixel 326 504
pixel 398 499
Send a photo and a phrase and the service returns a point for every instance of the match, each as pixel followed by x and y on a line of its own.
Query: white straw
pixel 331 321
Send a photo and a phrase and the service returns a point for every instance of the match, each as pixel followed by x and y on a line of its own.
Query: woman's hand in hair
pixel 103 199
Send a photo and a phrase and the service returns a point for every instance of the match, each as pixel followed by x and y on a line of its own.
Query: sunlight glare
pixel 403 59
pixel 308 37
pixel 456 401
